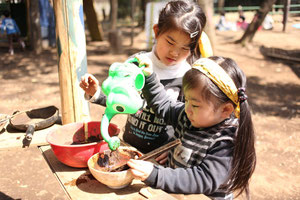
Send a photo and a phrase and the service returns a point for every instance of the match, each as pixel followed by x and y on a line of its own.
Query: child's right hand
pixel 146 62
pixel 89 84
pixel 140 169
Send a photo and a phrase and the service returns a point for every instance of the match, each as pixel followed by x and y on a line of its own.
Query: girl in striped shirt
pixel 217 154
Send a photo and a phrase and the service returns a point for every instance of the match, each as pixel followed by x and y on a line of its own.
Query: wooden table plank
pixel 80 184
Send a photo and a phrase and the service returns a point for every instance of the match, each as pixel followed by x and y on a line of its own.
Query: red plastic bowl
pixel 62 139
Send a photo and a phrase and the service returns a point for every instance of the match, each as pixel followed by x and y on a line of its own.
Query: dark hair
pixel 244 157
pixel 186 16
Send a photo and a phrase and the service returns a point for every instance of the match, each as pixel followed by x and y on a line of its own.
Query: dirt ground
pixel 30 81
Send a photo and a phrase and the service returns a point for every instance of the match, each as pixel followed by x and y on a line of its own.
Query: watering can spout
pixel 113 142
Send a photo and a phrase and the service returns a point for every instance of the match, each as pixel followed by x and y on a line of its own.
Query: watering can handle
pixel 136 62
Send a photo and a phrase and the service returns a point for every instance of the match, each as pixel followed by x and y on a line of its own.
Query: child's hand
pixel 162 158
pixel 89 84
pixel 140 169
pixel 146 62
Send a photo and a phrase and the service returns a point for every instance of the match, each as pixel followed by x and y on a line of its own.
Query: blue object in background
pixel 296 26
pixel 47 21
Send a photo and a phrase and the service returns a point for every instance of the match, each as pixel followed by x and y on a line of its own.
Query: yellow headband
pixel 218 75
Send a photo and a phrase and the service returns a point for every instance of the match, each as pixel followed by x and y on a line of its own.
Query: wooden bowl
pixel 114 180
pixel 3 121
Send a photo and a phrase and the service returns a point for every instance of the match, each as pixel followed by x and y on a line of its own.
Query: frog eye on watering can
pixel 118 108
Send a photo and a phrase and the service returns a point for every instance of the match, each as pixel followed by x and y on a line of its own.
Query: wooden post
pixel 72 62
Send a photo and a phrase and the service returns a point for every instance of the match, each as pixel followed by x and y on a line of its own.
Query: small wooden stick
pixel 151 154
pixel 160 150
pixel 86 131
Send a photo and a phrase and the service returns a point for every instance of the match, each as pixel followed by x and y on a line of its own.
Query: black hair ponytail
pixel 244 156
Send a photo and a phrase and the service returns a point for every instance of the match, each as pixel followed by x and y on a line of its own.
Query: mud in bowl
pixel 120 177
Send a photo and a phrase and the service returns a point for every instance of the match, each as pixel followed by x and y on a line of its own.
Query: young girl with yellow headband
pixel 217 154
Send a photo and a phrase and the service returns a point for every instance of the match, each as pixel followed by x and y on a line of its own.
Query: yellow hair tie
pixel 218 75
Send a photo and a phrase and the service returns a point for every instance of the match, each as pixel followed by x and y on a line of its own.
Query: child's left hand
pixel 140 169
pixel 162 158
pixel 146 62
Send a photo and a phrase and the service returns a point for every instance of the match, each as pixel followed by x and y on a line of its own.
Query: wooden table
pixel 80 184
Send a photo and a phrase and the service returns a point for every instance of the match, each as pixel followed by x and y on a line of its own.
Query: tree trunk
pixel 133 8
pixel 141 22
pixel 257 20
pixel 115 35
pixel 221 6
pixel 34 30
pixel 113 14
pixel 209 29
pixel 94 27
pixel 286 10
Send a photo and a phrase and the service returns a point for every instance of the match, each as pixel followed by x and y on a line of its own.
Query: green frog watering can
pixel 122 88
